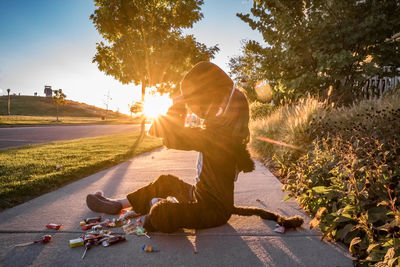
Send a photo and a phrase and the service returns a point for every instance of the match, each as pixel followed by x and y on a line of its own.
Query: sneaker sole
pixel 98 205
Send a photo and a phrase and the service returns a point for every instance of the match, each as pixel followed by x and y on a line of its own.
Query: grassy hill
pixel 43 106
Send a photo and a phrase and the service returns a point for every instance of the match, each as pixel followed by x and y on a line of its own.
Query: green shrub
pixel 260 110
pixel 352 188
pixel 345 170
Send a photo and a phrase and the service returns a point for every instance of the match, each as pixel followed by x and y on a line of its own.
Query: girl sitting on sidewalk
pixel 209 93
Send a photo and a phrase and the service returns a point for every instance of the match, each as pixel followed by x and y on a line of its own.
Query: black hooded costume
pixel 223 154
pixel 222 147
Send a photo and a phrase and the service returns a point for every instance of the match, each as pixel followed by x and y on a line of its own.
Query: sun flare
pixel 156 104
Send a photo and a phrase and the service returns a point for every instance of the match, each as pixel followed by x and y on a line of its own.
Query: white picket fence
pixel 375 86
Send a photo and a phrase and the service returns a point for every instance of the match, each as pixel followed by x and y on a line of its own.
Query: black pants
pixel 168 217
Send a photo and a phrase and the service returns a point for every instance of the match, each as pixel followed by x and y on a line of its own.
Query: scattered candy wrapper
pixel 279 229
pixel 44 239
pixel 149 248
pixel 54 226
pixel 78 242
pixel 133 228
pixel 89 226
pixel 128 215
pixel 112 224
pixel 141 231
pixel 113 240
pixel 97 228
pixel 90 220
pixel 93 219
pixel 129 228
pixel 98 232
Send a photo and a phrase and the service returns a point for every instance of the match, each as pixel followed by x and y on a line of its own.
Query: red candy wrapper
pixel 89 226
pixel 93 220
pixel 122 212
pixel 54 226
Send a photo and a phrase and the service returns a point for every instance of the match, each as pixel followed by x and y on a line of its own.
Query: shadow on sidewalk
pixel 23 256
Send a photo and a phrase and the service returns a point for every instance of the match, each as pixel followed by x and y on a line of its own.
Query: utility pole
pixel 107 102
pixel 9 102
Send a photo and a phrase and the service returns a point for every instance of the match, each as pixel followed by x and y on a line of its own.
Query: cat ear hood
pixel 206 79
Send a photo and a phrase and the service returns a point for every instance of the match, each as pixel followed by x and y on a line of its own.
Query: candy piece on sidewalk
pixel 93 220
pixel 129 228
pixel 88 245
pixel 141 231
pixel 149 248
pixel 122 212
pixel 89 226
pixel 43 239
pixel 128 215
pixel 114 223
pixel 280 229
pixel 54 226
pixel 78 242
pixel 113 240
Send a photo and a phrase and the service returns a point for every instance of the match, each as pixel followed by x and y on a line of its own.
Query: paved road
pixel 18 136
pixel 243 241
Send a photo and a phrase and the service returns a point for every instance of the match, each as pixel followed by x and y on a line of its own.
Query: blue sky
pixel 52 42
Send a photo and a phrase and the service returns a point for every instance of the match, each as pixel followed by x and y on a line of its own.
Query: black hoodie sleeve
pixel 176 135
pixel 171 128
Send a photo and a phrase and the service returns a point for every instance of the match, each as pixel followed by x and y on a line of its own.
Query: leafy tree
pixel 247 70
pixel 144 43
pixel 59 99
pixel 314 44
pixel 136 107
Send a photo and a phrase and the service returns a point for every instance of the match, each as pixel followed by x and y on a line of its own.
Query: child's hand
pixel 175 117
pixel 178 108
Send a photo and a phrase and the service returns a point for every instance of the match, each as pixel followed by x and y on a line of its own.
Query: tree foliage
pixel 136 107
pixel 314 44
pixel 59 98
pixel 144 43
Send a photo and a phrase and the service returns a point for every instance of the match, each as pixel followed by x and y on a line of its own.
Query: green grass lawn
pixel 33 170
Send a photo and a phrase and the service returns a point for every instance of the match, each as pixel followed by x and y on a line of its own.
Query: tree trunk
pixel 142 128
pixel 143 90
pixel 9 105
pixel 57 111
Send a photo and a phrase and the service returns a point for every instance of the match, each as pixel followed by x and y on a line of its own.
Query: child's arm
pixel 171 128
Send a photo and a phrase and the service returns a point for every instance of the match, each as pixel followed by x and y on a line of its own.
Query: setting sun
pixel 156 104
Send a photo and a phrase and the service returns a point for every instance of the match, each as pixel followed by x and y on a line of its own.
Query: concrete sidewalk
pixel 244 241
